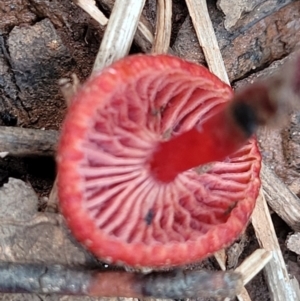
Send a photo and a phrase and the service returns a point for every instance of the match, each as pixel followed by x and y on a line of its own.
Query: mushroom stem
pixel 213 140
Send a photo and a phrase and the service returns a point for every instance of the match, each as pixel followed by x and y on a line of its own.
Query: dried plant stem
pixel 119 33
pixel 163 26
pixel 89 6
pixel 281 288
pixel 207 38
pixel 144 34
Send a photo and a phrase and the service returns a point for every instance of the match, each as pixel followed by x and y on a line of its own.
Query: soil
pixel 43 41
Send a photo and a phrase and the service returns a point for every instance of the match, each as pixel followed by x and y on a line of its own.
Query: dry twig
pixel 18 141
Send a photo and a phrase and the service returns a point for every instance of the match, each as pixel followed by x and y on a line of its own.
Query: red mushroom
pixel 130 185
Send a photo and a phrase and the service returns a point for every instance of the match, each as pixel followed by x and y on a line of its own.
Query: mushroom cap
pixel 108 196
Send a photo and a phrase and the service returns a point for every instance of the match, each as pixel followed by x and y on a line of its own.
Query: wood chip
pixel 119 33
pixel 163 26
pixel 293 243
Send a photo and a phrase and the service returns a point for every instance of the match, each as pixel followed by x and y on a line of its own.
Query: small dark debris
pixel 149 217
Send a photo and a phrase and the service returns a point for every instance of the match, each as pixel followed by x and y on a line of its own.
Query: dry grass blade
pixel 119 33
pixel 281 288
pixel 163 26
pixel 206 36
pixel 145 32
pixel 89 6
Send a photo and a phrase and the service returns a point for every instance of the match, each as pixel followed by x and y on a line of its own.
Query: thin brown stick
pixel 16 141
pixel 163 26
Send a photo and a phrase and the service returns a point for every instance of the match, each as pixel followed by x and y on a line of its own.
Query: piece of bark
pixel 18 201
pixel 270 39
pixel 234 9
pixel 17 141
pixel 12 111
pixel 257 39
pixel 280 285
pixel 280 198
pixel 243 13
